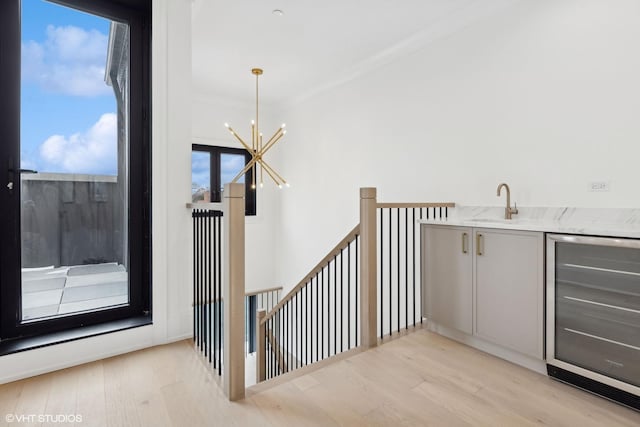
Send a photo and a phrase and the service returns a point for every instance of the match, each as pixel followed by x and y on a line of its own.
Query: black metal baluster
pixel 381 271
pixel 349 295
pixel 446 212
pixel 301 333
pixel 300 359
pixel 322 314
pixel 285 337
pixel 210 220
pixel 390 274
pixel 414 265
pixel 317 322
pixel 398 263
pixel 219 302
pixel 356 319
pixel 420 244
pixel 216 285
pixel 335 304
pixel 406 269
pixel 200 280
pixel 306 323
pixel 290 335
pixel 204 284
pixel 298 320
pixel 197 276
pixel 341 300
pixel 195 270
pixel 294 328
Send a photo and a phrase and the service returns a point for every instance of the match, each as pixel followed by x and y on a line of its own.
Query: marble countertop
pixel 587 221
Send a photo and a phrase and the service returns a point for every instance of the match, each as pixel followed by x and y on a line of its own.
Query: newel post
pixel 261 356
pixel 368 268
pixel 233 290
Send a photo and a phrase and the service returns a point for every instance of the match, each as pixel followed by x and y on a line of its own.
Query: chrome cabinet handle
pixel 465 238
pixel 479 244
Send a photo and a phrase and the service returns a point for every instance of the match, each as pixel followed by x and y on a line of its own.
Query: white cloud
pixel 70 61
pixel 94 151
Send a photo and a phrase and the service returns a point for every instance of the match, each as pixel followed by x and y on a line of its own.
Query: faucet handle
pixel 515 208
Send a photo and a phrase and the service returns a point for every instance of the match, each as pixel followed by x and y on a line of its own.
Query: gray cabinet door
pixel 447 276
pixel 508 289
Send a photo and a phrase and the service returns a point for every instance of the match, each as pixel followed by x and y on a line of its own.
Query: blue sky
pixel 68 119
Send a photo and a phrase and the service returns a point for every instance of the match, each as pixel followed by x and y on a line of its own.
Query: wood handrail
pixel 335 251
pixel 418 205
pixel 246 294
pixel 214 206
pixel 262 291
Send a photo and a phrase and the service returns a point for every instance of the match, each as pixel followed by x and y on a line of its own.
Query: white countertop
pixel 587 221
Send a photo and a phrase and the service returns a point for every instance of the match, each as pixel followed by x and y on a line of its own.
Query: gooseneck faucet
pixel 508 211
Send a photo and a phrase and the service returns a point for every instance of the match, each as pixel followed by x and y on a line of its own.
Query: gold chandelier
pixel 258 149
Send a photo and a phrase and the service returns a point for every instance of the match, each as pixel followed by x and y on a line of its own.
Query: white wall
pixel 545 95
pixel 208 118
pixel 171 163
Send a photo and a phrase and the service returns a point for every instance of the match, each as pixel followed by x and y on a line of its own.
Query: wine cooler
pixel 593 315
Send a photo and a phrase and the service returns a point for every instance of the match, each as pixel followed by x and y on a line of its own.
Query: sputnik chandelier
pixel 258 149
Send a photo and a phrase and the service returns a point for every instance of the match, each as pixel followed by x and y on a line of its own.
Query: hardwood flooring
pixel 419 379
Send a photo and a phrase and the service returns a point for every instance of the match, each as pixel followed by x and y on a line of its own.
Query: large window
pixel 212 167
pixel 74 228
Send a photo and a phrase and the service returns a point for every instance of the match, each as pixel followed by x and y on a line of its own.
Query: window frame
pixel 137 14
pixel 215 169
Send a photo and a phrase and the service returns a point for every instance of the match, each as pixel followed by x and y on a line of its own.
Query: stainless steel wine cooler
pixel 593 315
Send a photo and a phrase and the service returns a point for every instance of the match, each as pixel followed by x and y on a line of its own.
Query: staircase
pixel 365 289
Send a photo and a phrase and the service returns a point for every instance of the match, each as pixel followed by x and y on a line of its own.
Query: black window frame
pixel 215 152
pixel 137 14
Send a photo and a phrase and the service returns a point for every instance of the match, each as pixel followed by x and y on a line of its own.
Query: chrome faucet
pixel 508 211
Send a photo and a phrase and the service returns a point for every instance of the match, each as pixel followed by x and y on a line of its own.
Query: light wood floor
pixel 419 379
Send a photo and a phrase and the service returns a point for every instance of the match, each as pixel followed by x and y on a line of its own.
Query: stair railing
pixel 399 293
pixel 219 286
pixel 317 318
pixel 308 324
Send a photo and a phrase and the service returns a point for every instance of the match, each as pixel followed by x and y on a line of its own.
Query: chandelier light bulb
pixel 280 186
pixel 226 125
pixel 261 185
pixel 253 122
pixel 253 186
pixel 284 132
pixel 287 184
pixel 283 125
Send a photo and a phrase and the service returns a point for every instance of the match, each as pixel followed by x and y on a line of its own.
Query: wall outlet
pixel 599 186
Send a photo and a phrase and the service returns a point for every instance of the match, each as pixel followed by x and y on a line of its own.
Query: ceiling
pixel 315 44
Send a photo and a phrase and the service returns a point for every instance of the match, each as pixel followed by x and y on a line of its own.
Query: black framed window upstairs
pixel 75 166
pixel 214 166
